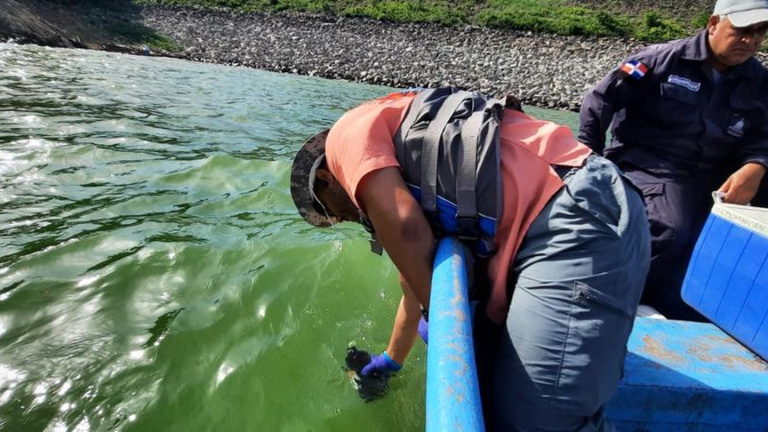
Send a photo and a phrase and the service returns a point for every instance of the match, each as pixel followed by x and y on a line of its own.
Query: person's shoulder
pixel 393 101
pixel 399 98
pixel 758 75
pixel 391 105
pixel 757 69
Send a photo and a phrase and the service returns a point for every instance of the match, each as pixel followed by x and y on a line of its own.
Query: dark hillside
pixel 115 25
pixel 118 25
pixel 547 52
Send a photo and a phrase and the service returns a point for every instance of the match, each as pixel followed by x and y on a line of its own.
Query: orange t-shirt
pixel 361 142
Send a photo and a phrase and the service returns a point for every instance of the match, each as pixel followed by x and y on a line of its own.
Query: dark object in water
pixel 371 386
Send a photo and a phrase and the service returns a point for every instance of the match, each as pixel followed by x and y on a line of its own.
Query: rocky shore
pixel 542 70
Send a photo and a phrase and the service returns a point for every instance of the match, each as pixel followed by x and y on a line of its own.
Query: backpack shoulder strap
pixel 466 178
pixel 405 126
pixel 431 147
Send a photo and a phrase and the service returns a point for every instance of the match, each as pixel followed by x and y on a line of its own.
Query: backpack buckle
pixel 467 228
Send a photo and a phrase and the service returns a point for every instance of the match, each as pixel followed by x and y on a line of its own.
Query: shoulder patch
pixel 634 69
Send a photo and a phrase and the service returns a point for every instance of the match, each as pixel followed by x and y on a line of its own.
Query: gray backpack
pixel 448 150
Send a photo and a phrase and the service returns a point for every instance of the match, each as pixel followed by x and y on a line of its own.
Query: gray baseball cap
pixel 743 13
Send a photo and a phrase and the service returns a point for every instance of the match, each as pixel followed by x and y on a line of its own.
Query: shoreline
pixel 542 70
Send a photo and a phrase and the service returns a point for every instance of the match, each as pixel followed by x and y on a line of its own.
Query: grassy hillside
pixel 641 19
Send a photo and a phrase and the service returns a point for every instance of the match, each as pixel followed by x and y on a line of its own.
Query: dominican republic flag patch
pixel 634 69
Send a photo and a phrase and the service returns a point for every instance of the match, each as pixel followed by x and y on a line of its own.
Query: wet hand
pixel 382 363
pixel 742 185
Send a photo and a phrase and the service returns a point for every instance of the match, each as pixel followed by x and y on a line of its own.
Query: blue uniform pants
pixel 576 283
pixel 677 209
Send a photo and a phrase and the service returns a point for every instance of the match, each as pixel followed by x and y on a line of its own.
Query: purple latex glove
pixel 424 330
pixel 382 364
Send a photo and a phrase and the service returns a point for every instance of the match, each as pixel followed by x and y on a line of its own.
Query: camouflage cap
pixel 305 164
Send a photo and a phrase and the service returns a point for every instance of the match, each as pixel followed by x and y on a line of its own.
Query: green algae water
pixel 154 274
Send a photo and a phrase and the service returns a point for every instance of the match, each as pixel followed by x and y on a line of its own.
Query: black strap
pixel 430 150
pixel 466 179
pixel 467 169
pixel 405 126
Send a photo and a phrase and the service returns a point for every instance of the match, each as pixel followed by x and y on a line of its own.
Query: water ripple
pixel 143 216
pixel 154 274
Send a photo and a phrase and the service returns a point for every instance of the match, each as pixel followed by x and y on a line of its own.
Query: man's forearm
pixel 405 325
pixel 407 237
pixel 598 107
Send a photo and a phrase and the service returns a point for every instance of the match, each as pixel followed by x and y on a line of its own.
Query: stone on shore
pixel 541 69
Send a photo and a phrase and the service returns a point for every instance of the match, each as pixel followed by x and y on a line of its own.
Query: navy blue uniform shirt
pixel 674 119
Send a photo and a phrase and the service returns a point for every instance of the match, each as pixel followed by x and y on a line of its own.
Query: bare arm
pixel 406 236
pixel 401 226
pixel 406 324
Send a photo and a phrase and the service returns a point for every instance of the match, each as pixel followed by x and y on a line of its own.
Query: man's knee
pixel 560 360
pixel 674 222
pixel 675 207
pixel 670 244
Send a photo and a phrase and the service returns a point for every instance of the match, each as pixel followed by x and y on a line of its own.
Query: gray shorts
pixel 577 280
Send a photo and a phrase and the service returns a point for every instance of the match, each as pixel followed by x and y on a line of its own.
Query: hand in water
pixel 371 386
pixel 382 364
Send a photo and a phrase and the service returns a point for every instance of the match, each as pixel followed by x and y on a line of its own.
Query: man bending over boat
pixel 688 118
pixel 560 234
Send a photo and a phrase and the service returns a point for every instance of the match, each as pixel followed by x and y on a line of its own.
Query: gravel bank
pixel 542 70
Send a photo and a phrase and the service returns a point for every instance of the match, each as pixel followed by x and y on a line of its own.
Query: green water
pixel 154 275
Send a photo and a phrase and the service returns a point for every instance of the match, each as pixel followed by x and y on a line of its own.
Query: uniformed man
pixel 688 118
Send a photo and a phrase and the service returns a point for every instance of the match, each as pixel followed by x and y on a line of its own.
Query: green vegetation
pixel 567 17
pixel 553 17
pixel 657 28
pixel 137 34
pixel 700 20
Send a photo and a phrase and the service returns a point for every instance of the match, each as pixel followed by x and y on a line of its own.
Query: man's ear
pixel 713 21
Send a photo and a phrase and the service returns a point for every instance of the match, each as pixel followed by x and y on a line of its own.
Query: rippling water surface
pixel 154 275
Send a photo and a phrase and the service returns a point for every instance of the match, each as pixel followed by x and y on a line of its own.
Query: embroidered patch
pixel 684 82
pixel 736 126
pixel 635 69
